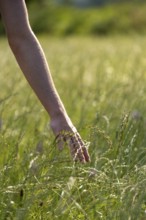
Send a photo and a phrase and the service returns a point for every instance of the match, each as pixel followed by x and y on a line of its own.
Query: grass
pixel 102 84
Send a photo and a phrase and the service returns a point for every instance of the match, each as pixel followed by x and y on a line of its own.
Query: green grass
pixel 102 84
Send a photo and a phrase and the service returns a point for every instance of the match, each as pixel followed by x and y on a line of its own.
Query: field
pixel 102 82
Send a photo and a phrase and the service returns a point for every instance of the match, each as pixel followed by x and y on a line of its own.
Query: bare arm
pixel 32 61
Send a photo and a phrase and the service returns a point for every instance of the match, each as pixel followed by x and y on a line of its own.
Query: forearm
pixel 32 62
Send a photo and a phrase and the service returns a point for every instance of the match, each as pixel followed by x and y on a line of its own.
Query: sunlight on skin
pixel 28 51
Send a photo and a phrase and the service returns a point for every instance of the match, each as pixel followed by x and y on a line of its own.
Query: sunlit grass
pixel 102 84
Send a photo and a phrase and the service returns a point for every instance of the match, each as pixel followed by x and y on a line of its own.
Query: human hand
pixel 78 148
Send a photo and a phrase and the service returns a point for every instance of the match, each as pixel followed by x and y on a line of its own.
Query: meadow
pixel 102 82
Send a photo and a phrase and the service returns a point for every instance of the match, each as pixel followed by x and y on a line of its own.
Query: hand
pixel 77 147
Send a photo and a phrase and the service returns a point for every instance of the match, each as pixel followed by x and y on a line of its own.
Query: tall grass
pixel 102 83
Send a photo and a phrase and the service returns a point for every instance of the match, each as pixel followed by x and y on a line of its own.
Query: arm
pixel 32 61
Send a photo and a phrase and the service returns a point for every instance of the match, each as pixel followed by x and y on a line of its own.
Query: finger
pixel 86 154
pixel 60 142
pixel 84 149
pixel 78 155
pixel 76 150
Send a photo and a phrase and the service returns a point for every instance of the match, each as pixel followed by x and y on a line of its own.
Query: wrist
pixel 62 123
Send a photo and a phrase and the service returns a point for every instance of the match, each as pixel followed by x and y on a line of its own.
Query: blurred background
pixel 86 17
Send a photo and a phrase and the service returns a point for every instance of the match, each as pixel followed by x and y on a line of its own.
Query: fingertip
pixel 83 161
pixel 86 155
pixel 88 160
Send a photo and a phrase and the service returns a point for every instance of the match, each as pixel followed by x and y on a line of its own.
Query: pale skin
pixel 32 61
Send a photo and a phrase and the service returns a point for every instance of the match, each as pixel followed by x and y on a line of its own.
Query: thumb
pixel 60 142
